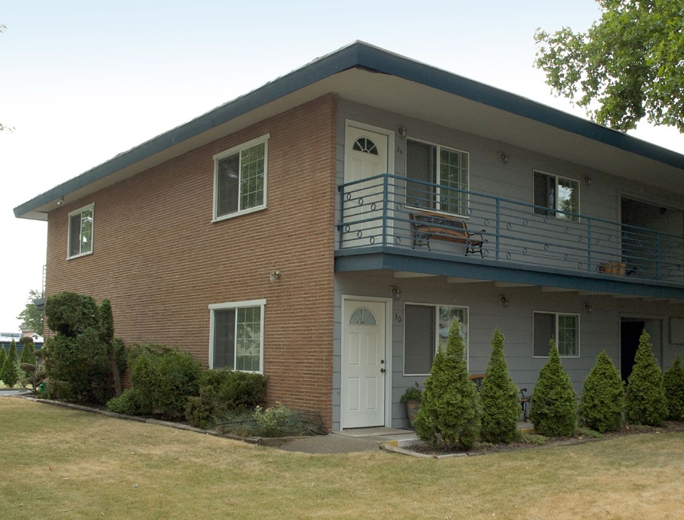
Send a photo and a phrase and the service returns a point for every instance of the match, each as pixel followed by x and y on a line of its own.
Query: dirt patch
pixel 535 441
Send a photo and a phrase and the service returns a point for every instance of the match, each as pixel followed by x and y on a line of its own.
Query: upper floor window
pixel 237 336
pixel 426 330
pixel 240 179
pixel 560 196
pixel 81 231
pixel 563 329
pixel 445 167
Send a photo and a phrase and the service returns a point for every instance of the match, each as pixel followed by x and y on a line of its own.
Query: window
pixel 439 165
pixel 240 179
pixel 562 328
pixel 557 194
pixel 426 329
pixel 81 231
pixel 237 332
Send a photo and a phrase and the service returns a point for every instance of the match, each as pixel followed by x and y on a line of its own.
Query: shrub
pixel 71 314
pixel 10 368
pixel 3 357
pixel 499 396
pixel 602 402
pixel 223 391
pixel 27 356
pixel 129 403
pixel 163 379
pixel 449 414
pixel 81 363
pixel 673 383
pixel 554 401
pixel 275 421
pixel 645 403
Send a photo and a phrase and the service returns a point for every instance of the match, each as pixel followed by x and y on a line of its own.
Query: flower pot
pixel 412 407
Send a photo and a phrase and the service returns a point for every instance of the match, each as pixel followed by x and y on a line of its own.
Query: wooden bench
pixel 427 225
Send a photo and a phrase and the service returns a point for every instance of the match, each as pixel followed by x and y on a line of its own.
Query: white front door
pixel 363 358
pixel 367 155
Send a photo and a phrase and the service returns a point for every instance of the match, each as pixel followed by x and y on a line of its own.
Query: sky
pixel 81 81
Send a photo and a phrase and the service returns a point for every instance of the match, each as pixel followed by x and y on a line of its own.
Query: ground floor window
pixel 426 329
pixel 562 328
pixel 237 335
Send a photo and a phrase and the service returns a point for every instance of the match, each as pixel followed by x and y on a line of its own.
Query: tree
pixel 673 383
pixel 645 402
pixel 554 401
pixel 499 396
pixel 32 318
pixel 10 368
pixel 629 63
pixel 449 414
pixel 3 357
pixel 602 396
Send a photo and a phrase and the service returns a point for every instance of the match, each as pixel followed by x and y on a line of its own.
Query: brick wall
pixel 161 261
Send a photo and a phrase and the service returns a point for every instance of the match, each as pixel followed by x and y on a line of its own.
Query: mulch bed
pixel 482 448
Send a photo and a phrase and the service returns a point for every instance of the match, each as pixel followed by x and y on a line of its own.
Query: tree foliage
pixel 10 368
pixel 627 66
pixel 673 383
pixel 602 402
pixel 32 318
pixel 554 400
pixel 645 402
pixel 3 357
pixel 449 415
pixel 499 396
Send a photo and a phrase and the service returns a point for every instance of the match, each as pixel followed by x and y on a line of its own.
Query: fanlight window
pixel 365 145
pixel 362 316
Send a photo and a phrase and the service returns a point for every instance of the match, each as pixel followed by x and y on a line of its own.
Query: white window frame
pixel 556 315
pixel 80 211
pixel 234 306
pixel 438 204
pixel 233 151
pixel 554 212
pixel 437 306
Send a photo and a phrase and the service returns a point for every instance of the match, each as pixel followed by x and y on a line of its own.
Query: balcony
pixel 378 214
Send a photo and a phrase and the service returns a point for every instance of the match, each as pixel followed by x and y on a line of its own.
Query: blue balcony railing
pixel 387 209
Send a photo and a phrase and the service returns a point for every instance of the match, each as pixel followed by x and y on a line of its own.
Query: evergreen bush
pixel 3 357
pixel 554 401
pixel 222 391
pixel 27 355
pixel 10 368
pixel 449 414
pixel 602 401
pixel 163 379
pixel 499 396
pixel 646 403
pixel 673 383
pixel 128 403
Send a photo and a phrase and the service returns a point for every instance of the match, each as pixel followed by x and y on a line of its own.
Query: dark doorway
pixel 630 331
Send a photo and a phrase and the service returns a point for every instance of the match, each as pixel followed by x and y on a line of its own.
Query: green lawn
pixel 61 463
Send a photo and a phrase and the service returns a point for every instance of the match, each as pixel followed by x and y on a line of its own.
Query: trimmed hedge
pixel 602 402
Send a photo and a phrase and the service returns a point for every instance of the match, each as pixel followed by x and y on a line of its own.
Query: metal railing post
pixel 588 244
pixel 385 192
pixel 498 226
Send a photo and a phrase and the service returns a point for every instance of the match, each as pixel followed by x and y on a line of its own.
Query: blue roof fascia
pixel 379 258
pixel 360 54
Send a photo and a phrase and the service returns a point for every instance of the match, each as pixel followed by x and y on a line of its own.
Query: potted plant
pixel 411 399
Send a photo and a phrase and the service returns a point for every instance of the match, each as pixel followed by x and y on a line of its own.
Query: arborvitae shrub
pixel 554 401
pixel 499 396
pixel 449 413
pixel 3 356
pixel 673 382
pixel 10 368
pixel 646 403
pixel 603 396
pixel 27 355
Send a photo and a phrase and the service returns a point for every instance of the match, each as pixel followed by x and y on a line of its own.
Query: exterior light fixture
pixel 60 201
pixel 274 276
pixel 396 292
pixel 589 308
pixel 503 300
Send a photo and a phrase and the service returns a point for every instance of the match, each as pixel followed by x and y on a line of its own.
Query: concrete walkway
pixel 348 441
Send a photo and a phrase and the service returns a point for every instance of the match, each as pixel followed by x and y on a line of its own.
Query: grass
pixel 62 463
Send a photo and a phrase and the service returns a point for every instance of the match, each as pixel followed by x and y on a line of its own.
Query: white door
pixel 363 356
pixel 366 156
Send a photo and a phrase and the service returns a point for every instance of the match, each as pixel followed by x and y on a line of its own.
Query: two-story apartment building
pixel 318 230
